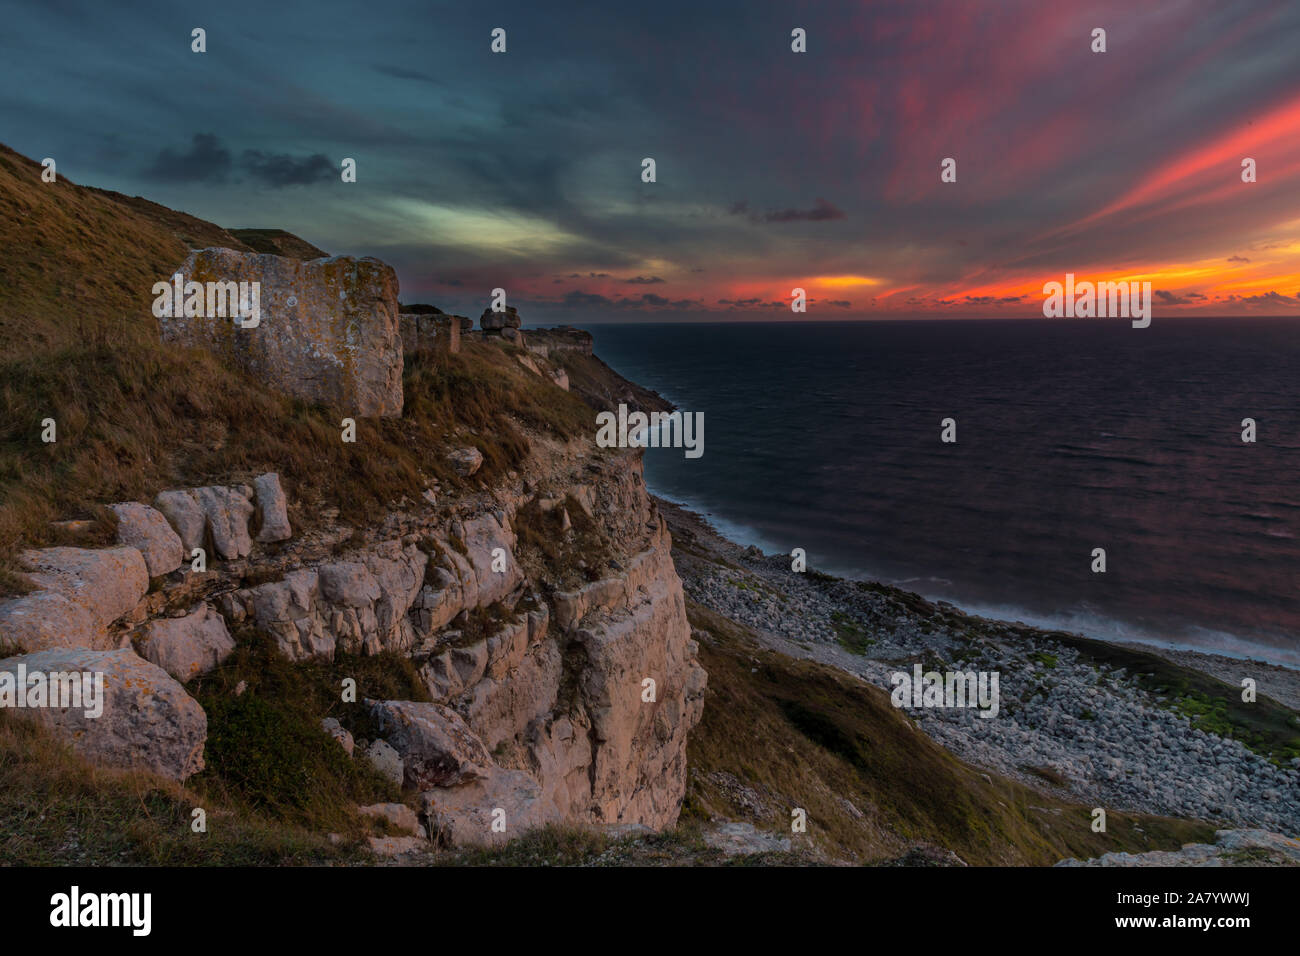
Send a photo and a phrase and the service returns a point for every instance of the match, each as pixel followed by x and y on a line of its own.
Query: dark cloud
pixel 1168 298
pixel 644 280
pixel 206 161
pixel 1268 298
pixel 1241 259
pixel 580 299
pixel 822 211
pixel 278 170
pixel 402 73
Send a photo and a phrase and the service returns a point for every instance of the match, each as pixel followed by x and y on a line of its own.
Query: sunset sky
pixel 775 169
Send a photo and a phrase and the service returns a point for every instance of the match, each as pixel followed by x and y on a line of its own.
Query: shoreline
pixel 1176 651
pixel 1081 718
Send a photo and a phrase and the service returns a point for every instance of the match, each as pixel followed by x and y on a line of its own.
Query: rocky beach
pixel 1078 718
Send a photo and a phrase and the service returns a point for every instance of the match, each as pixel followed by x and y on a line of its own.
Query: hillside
pixel 498 588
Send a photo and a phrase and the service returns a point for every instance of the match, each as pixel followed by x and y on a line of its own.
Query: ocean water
pixel 1071 435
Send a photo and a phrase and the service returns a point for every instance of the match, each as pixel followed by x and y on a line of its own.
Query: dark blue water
pixel 1071 435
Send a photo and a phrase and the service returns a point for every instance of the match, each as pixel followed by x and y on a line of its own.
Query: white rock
pixel 228 513
pixel 148 721
pixel 188 646
pixel 273 509
pixel 182 510
pixel 386 760
pixel 107 582
pixel 145 529
pixel 45 619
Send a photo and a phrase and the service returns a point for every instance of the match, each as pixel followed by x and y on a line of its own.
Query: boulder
pixel 436 745
pixel 146 530
pixel 387 761
pixel 425 331
pixel 494 322
pixel 227 512
pixel 466 461
pixel 107 582
pixel 464 815
pixel 147 721
pixel 272 509
pixel 45 619
pixel 188 646
pixel 182 509
pixel 348 583
pixel 482 536
pixel 327 329
pixel 336 730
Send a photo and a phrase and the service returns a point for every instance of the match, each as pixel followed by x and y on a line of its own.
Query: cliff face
pixel 582 696
pixel 498 589
pixel 544 617
pixel 540 609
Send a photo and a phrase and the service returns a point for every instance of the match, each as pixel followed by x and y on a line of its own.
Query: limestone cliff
pixel 540 608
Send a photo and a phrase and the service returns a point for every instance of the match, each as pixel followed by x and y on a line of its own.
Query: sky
pixel 774 169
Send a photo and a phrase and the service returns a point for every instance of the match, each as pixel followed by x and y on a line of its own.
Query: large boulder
pixel 272 508
pixel 426 331
pixel 45 619
pixel 188 646
pixel 494 808
pixel 181 509
pixel 494 322
pixel 145 529
pixel 146 720
pixel 327 330
pixel 436 745
pixel 107 582
pixel 228 513
pixel 465 461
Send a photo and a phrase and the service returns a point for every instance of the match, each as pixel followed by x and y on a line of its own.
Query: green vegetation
pixel 1265 726
pixel 266 750
pixel 56 810
pixel 548 553
pixel 851 635
pixel 79 344
pixel 820 739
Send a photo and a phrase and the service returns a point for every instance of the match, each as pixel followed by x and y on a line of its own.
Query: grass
pixel 851 635
pixel 79 344
pixel 1265 726
pixel 1045 659
pixel 266 749
pixel 57 810
pixel 815 738
pixel 550 554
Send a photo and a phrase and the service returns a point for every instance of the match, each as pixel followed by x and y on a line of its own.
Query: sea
pixel 1071 436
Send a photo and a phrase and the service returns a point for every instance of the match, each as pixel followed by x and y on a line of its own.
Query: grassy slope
pixel 813 737
pixel 79 344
